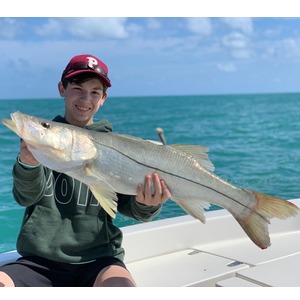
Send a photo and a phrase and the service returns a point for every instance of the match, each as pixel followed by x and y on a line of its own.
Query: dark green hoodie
pixel 63 221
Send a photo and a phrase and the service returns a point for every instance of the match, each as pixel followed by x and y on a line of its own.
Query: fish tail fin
pixel 267 207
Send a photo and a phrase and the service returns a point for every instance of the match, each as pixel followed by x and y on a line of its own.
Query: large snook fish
pixel 111 163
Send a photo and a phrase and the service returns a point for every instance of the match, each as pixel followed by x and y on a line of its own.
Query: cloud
pixel 93 28
pixel 243 24
pixel 9 28
pixel 227 67
pixel 86 28
pixel 291 47
pixel 53 27
pixel 285 50
pixel 235 40
pixel 153 23
pixel 200 26
pixel 238 45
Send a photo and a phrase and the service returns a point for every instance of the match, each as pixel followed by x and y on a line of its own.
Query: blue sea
pixel 254 141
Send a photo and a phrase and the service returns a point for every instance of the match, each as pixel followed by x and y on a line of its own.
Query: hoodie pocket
pixel 46 233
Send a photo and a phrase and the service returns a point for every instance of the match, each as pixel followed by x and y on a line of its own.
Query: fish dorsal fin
pixel 197 152
pixel 104 194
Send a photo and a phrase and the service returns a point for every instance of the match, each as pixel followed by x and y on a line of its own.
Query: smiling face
pixel 82 100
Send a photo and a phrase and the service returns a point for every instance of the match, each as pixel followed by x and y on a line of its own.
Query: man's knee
pixel 5 280
pixel 113 276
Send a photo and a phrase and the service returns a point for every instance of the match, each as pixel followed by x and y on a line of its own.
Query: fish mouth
pixel 11 125
pixel 16 124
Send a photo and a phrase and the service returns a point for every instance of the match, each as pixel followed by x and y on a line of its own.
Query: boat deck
pixel 184 252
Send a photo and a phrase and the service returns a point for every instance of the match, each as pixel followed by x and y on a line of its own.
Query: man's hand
pixel 26 156
pixel 145 195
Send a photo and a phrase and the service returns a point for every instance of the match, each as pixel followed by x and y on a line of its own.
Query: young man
pixel 66 238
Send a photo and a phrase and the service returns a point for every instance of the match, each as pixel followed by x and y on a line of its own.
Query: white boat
pixel 183 252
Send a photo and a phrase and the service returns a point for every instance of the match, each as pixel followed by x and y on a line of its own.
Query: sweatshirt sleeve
pixel 128 206
pixel 28 184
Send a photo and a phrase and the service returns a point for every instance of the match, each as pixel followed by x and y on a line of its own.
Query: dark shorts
pixel 40 272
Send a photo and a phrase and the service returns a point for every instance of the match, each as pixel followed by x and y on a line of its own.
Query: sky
pixel 153 55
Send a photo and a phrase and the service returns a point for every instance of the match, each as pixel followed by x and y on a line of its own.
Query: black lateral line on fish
pixel 207 187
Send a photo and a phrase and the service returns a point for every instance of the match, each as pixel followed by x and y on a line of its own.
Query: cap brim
pixel 103 78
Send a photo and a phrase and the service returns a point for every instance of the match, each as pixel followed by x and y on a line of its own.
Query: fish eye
pixel 45 125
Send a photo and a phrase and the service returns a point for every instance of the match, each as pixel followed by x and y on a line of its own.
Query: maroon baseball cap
pixel 86 63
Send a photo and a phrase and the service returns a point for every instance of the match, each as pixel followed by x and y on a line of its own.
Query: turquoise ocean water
pixel 254 141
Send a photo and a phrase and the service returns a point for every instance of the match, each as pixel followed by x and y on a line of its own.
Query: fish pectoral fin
pixel 106 196
pixel 102 191
pixel 194 207
pixel 197 152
